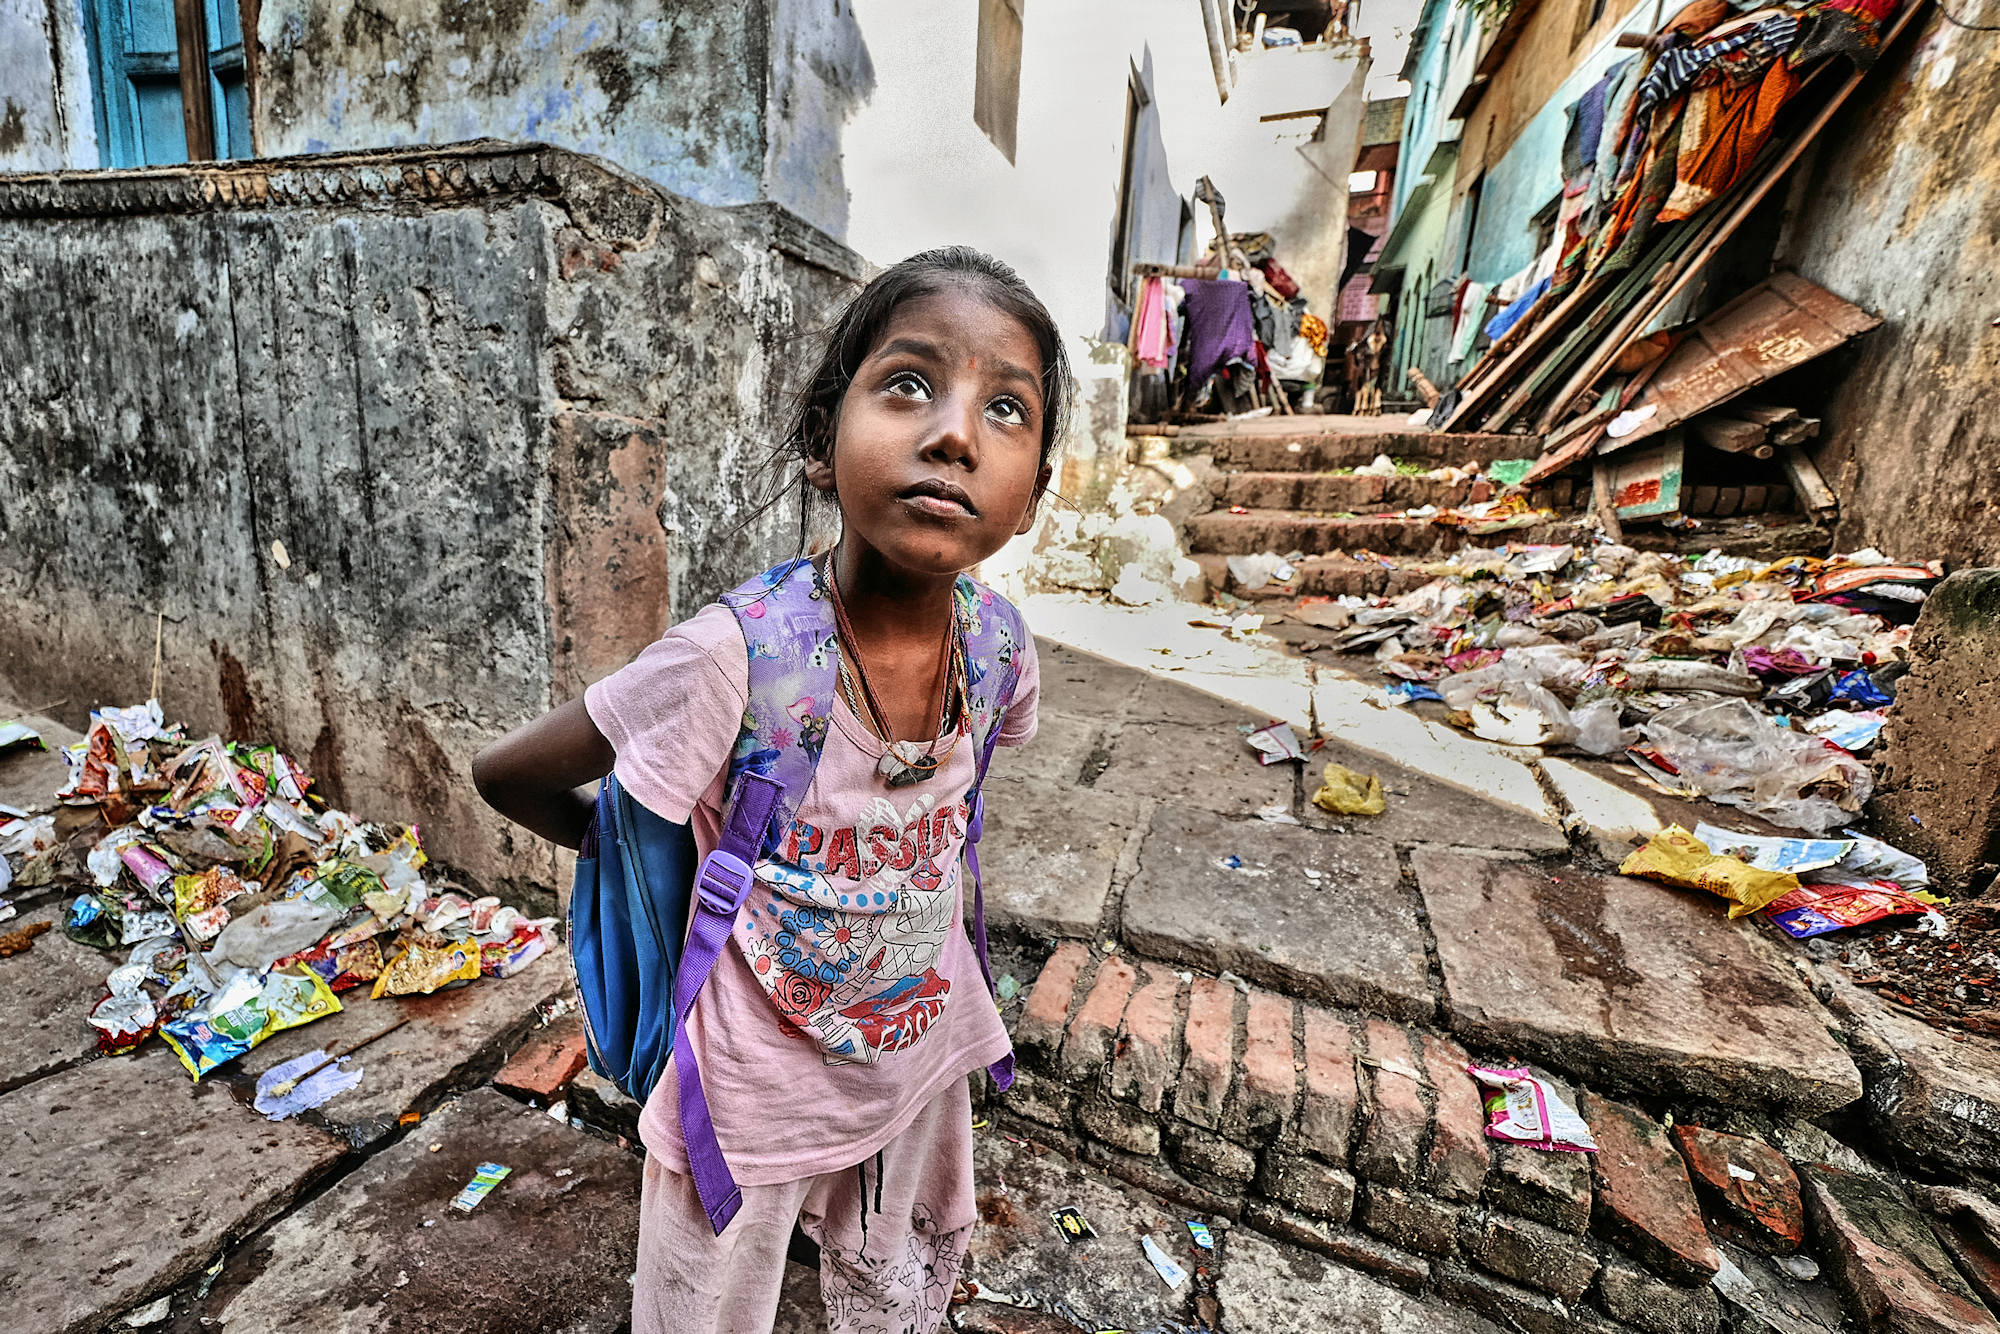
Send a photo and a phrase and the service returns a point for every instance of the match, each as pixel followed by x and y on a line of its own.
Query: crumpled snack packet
pixel 1676 857
pixel 1522 1109
pixel 421 969
pixel 1345 792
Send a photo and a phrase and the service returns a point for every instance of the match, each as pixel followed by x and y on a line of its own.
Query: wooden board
pixel 1780 323
pixel 1646 483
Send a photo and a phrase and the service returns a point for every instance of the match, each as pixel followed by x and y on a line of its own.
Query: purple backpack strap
pixel 788 630
pixel 993 635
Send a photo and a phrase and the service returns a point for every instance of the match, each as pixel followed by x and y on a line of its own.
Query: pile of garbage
pixel 243 903
pixel 1753 684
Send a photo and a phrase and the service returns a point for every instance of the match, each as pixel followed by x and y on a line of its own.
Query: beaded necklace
pixel 903 763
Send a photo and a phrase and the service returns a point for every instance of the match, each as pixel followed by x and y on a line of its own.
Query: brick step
pixel 1358 493
pixel 1287 530
pixel 1363 1139
pixel 1321 576
pixel 1317 453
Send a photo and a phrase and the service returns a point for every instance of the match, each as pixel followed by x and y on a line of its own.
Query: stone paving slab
pixel 1048 854
pixel 1062 744
pixel 122 1177
pixel 1422 809
pixel 1082 684
pixel 1933 1097
pixel 383 1250
pixel 454 1039
pixel 45 998
pixel 1351 937
pixel 28 777
pixel 1209 767
pixel 1269 1290
pixel 1637 984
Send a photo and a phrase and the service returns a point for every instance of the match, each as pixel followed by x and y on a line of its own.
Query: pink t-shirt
pixel 852 995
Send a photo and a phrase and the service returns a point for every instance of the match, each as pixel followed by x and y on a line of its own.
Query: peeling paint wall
pixel 672 92
pixel 503 409
pixel 46 119
pixel 1903 218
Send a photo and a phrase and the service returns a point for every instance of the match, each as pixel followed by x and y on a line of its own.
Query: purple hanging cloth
pixel 1218 325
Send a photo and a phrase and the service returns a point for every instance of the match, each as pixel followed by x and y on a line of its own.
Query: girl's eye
pixel 1009 410
pixel 908 384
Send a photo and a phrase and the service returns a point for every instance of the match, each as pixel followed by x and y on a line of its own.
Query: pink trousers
pixel 892 1233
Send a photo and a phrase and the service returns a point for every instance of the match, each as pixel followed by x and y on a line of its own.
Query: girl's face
pixel 937 456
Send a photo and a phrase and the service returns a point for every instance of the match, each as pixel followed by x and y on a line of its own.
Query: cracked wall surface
pixel 408 447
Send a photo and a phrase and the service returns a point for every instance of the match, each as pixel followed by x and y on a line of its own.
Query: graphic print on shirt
pixel 846 933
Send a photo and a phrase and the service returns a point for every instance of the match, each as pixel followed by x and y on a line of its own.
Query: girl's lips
pixel 938 497
pixel 937 506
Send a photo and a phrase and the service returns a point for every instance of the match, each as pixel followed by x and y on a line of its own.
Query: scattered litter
pixel 1797 855
pixel 559 1111
pixel 240 902
pixel 1233 980
pixel 15 733
pixel 150 1314
pixel 301 1084
pixel 1277 812
pixel 484 1178
pixel 1008 988
pixel 1676 857
pixel 1172 1274
pixel 1342 791
pixel 23 940
pixel 1522 1109
pixel 1800 1267
pixel 1073 1226
pixel 1199 1234
pixel 409 1118
pixel 1276 742
pixel 1408 692
pixel 1734 1284
pixel 1823 906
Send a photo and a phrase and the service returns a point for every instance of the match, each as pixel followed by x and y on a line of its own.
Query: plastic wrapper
pixel 347 881
pixel 97 920
pixel 1733 754
pixel 1859 688
pixel 198 893
pixel 345 967
pixel 259 937
pixel 484 1178
pixel 1676 857
pixel 1820 906
pixel 421 969
pixel 504 958
pixel 123 1020
pixel 1797 855
pixel 244 1013
pixel 1872 859
pixel 1522 1109
pixel 144 924
pixel 1342 791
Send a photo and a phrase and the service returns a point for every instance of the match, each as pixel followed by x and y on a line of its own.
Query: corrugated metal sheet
pixel 1780 323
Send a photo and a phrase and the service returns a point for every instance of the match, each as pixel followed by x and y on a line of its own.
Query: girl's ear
pixel 1042 480
pixel 819 474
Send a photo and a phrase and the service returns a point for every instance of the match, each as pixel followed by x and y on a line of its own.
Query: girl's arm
pixel 534 774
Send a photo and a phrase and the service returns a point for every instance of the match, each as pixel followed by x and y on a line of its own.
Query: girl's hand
pixel 535 774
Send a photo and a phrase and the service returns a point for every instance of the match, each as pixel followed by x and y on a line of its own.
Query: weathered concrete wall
pixel 1903 218
pixel 46 121
pixel 673 92
pixel 502 407
pixel 1938 775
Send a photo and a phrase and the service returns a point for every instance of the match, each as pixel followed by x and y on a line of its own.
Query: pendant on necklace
pixel 906 763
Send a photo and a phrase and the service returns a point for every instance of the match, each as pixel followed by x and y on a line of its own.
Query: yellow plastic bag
pixel 1345 792
pixel 1676 857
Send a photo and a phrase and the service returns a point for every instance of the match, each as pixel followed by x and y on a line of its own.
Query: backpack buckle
pixel 722 883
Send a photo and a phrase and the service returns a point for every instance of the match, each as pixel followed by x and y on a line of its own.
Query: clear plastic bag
pixel 1731 753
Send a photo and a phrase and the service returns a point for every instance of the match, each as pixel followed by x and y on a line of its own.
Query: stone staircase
pixel 1287 484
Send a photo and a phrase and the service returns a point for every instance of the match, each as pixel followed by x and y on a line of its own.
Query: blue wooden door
pixel 139 121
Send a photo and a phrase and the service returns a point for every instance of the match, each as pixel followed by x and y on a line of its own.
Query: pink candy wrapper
pixel 1522 1109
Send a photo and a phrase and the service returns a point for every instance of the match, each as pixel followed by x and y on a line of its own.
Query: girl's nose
pixel 954 432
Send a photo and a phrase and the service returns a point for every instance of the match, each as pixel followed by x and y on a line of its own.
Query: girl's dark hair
pixel 815 415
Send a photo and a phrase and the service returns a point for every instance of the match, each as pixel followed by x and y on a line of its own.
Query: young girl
pixel 929 421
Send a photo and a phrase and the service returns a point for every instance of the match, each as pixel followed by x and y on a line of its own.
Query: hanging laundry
pixel 1281 282
pixel 1152 341
pixel 1471 307
pixel 1313 329
pixel 1218 325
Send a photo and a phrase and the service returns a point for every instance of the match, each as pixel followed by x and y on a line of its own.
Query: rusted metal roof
pixel 1780 323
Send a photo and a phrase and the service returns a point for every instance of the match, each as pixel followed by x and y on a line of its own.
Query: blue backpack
pixel 640 878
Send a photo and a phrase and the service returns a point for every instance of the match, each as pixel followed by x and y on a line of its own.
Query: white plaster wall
pixel 920 173
pixel 46 119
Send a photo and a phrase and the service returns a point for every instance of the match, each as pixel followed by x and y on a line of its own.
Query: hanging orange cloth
pixel 1725 126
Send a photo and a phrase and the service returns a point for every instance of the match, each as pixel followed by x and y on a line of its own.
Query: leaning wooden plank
pixel 1815 496
pixel 1781 323
pixel 1731 435
pixel 1764 414
pixel 1600 501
